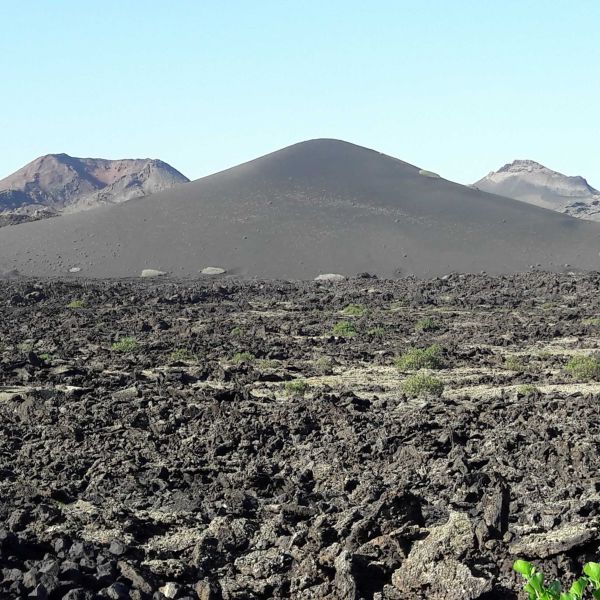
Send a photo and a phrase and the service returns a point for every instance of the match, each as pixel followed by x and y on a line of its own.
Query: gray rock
pixel 146 273
pixel 435 564
pixel 213 271
pixel 330 277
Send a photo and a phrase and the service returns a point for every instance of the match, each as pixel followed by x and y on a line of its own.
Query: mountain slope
pixel 531 182
pixel 61 182
pixel 316 207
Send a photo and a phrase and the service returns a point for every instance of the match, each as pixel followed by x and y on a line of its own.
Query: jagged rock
pixel 435 564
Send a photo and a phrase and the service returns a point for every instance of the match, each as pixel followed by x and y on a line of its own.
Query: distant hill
pixel 529 181
pixel 321 206
pixel 61 183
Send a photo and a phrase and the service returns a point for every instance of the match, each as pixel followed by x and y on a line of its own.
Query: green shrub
pixel 344 329
pixel 595 321
pixel 182 355
pixel 537 589
pixel 426 324
pixel 76 304
pixel 297 387
pixel 243 357
pixel 126 344
pixel 431 174
pixel 527 389
pixel 236 331
pixel 377 331
pixel 512 363
pixel 420 358
pixel 354 310
pixel 422 384
pixel 584 368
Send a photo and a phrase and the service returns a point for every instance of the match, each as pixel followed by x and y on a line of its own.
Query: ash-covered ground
pixel 151 445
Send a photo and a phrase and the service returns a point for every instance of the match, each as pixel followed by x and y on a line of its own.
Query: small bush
pixel 595 321
pixel 76 304
pixel 527 389
pixel 354 310
pixel 537 589
pixel 422 384
pixel 182 355
pixel 584 368
pixel 236 331
pixel 420 358
pixel 431 174
pixel 126 344
pixel 426 324
pixel 297 387
pixel 512 363
pixel 243 357
pixel 344 329
pixel 377 332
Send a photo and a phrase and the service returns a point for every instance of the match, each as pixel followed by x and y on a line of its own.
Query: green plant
pixel 243 357
pixel 426 324
pixel 584 368
pixel 354 310
pixel 182 355
pixel 344 329
pixel 236 331
pixel 595 321
pixel 512 363
pixel 420 358
pixel 297 387
pixel 378 331
pixel 126 344
pixel 537 590
pixel 422 384
pixel 431 174
pixel 528 388
pixel 76 304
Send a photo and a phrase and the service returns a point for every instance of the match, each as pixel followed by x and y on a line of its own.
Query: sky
pixel 459 87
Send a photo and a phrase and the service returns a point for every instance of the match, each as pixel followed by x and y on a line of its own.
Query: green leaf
pixel 592 570
pixel 524 568
pixel 537 582
pixel 597 594
pixel 555 587
pixel 568 596
pixel 578 587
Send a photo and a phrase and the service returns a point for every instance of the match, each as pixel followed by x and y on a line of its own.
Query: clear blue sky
pixel 456 86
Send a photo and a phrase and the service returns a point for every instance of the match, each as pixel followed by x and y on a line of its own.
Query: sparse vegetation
pixel 125 345
pixel 378 331
pixel 354 310
pixel 426 324
pixel 584 368
pixel 537 589
pixel 76 304
pixel 236 331
pixel 243 357
pixel 297 387
pixel 527 389
pixel 420 358
pixel 182 355
pixel 512 363
pixel 594 321
pixel 344 329
pixel 423 384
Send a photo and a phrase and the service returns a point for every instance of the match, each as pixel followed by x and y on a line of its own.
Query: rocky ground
pixel 229 440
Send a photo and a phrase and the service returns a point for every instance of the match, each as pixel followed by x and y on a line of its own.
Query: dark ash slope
pixel 315 207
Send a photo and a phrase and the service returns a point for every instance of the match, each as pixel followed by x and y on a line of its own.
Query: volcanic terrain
pixel 322 206
pixel 236 441
pixel 531 182
pixel 58 183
